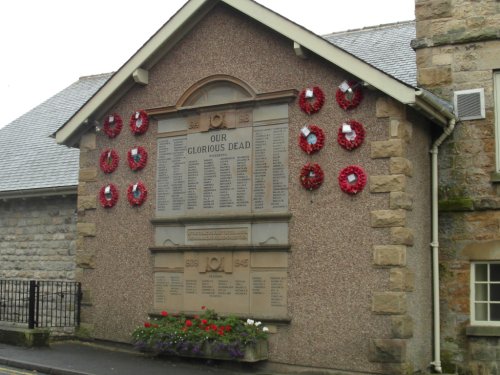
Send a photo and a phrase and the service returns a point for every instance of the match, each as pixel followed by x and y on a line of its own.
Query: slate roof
pixel 31 159
pixel 385 47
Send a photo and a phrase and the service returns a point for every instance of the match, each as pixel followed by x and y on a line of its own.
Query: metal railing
pixel 40 303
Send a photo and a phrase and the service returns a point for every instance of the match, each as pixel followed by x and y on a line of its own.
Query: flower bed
pixel 204 336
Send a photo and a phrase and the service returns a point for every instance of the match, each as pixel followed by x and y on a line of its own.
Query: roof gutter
pixel 39 193
pixel 430 101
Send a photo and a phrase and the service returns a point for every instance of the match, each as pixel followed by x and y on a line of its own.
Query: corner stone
pixel 388 350
pixel 86 229
pixel 387 149
pixel 402 236
pixel 400 200
pixel 389 255
pixel 388 218
pixel 401 280
pixel 389 303
pixel 401 166
pixel 386 184
pixel 402 326
pixel 88 174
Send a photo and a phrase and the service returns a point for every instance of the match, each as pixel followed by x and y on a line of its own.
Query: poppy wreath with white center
pixel 108 161
pixel 357 95
pixel 139 122
pixel 113 127
pixel 352 187
pixel 311 176
pixel 359 136
pixel 138 161
pixel 311 107
pixel 108 200
pixel 137 197
pixel 311 148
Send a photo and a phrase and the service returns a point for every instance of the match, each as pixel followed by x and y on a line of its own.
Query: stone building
pixel 458 58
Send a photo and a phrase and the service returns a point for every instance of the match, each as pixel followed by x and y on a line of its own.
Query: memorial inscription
pixel 229 170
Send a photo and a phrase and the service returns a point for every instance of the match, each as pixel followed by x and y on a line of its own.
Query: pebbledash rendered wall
pixel 358 288
pixel 38 238
pixel 458 48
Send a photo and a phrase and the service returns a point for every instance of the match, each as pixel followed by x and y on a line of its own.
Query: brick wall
pixel 38 238
pixel 457 46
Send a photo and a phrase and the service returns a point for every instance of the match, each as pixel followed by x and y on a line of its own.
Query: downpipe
pixel 436 363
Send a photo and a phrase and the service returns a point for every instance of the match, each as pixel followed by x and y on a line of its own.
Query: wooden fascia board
pixel 325 49
pixel 184 20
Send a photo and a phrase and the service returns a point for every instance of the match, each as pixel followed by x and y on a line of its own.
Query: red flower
pixel 213 327
pixel 147 324
pixel 220 332
pixel 228 328
pixel 204 321
pixel 164 313
pixel 311 107
pixel 189 323
pixel 203 307
pixel 207 328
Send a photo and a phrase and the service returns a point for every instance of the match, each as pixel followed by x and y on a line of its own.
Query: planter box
pixel 256 353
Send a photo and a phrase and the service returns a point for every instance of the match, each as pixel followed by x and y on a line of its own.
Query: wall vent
pixel 469 104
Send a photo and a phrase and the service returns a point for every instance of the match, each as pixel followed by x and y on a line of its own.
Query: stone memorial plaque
pixel 224 281
pixel 218 234
pixel 224 171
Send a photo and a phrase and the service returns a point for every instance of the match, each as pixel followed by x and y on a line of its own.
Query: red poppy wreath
pixel 108 195
pixel 137 158
pixel 311 176
pixel 351 135
pixel 306 98
pixel 311 139
pixel 139 122
pixel 137 193
pixel 108 160
pixel 352 179
pixel 349 95
pixel 113 125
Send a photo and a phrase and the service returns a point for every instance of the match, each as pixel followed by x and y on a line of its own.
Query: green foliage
pixel 178 334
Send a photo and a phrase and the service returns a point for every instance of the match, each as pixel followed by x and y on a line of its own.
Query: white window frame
pixel 496 108
pixel 473 295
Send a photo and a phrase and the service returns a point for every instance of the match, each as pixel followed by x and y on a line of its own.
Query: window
pixel 485 293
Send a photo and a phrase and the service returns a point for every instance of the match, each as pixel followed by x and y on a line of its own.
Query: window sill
pixel 495 176
pixel 483 331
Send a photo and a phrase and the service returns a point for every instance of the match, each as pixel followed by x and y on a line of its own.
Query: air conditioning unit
pixel 469 104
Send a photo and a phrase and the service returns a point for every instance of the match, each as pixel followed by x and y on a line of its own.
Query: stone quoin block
pixel 387 149
pixel 400 129
pixel 386 107
pixel 87 202
pixel 401 279
pixel 387 183
pixel 88 174
pixel 389 303
pixel 401 326
pixel 402 236
pixel 400 165
pixel 388 218
pixel 389 255
pixel 400 200
pixel 88 142
pixel 86 229
pixel 387 350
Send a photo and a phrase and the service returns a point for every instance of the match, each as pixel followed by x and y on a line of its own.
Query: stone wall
pixel 38 238
pixel 457 48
